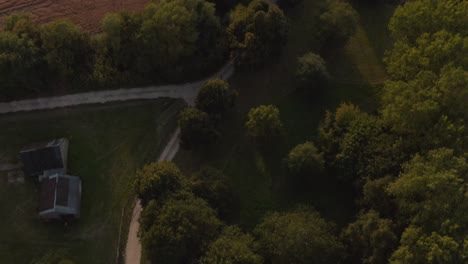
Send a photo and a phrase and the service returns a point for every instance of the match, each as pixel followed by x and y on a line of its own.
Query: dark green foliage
pixel 431 191
pixel 22 65
pixel 215 98
pixel 157 180
pixel 256 32
pixel 430 52
pixel 311 71
pixel 338 22
pixel 370 239
pixel 232 247
pixel 374 196
pixel 180 231
pixel 213 186
pixel 168 40
pixel 300 236
pixel 305 160
pixel 196 129
pixel 68 53
pixel 426 16
pixel 418 247
pixel 264 124
pixel 357 146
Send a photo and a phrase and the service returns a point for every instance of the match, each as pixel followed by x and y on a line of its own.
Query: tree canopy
pixel 196 129
pixel 157 180
pixel 256 32
pixel 232 247
pixel 264 124
pixel 181 229
pixel 215 98
pixel 311 70
pixel 300 236
pixel 305 160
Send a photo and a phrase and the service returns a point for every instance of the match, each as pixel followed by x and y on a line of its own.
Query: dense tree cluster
pixel 169 39
pixel 212 104
pixel 256 32
pixel 409 159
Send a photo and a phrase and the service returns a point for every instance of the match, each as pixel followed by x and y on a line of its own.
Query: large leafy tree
pixel 256 32
pixel 157 180
pixel 305 160
pixel 180 230
pixel 339 21
pixel 232 247
pixel 311 70
pixel 176 29
pixel 196 128
pixel 426 16
pixel 431 191
pixel 371 239
pixel 418 247
pixel 264 124
pixel 215 98
pixel 68 52
pixel 300 236
pixel 213 186
pixel 22 61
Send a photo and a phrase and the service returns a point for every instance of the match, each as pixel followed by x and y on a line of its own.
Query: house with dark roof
pixel 60 197
pixel 60 194
pixel 51 155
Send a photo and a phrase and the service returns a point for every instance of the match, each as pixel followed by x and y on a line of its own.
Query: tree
pixel 256 32
pixel 171 31
pixel 333 128
pixel 311 70
pixel 375 197
pixel 196 129
pixel 232 247
pixel 264 124
pixel 215 98
pixel 430 52
pixel 339 21
pixel 417 247
pixel 68 52
pixel 122 44
pixel 305 160
pixel 157 180
pixel 21 57
pixel 213 186
pixel 430 192
pixel 181 230
pixel 300 236
pixel 370 238
pixel 413 18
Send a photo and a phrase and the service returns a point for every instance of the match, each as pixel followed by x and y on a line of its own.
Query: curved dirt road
pixel 186 91
pixel 133 247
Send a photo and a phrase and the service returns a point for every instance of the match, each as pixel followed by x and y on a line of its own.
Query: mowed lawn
pixel 107 144
pixel 259 178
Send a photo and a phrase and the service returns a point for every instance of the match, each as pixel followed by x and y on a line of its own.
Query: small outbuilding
pixel 60 196
pixel 41 157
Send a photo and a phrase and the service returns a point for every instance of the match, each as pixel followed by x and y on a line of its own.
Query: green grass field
pixel 107 145
pixel 260 180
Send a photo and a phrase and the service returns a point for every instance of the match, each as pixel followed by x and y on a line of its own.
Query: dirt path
pixel 187 91
pixel 133 247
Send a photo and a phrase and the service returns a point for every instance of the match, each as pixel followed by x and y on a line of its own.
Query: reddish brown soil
pixel 86 13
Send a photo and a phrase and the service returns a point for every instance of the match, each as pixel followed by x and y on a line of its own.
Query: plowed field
pixel 86 13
